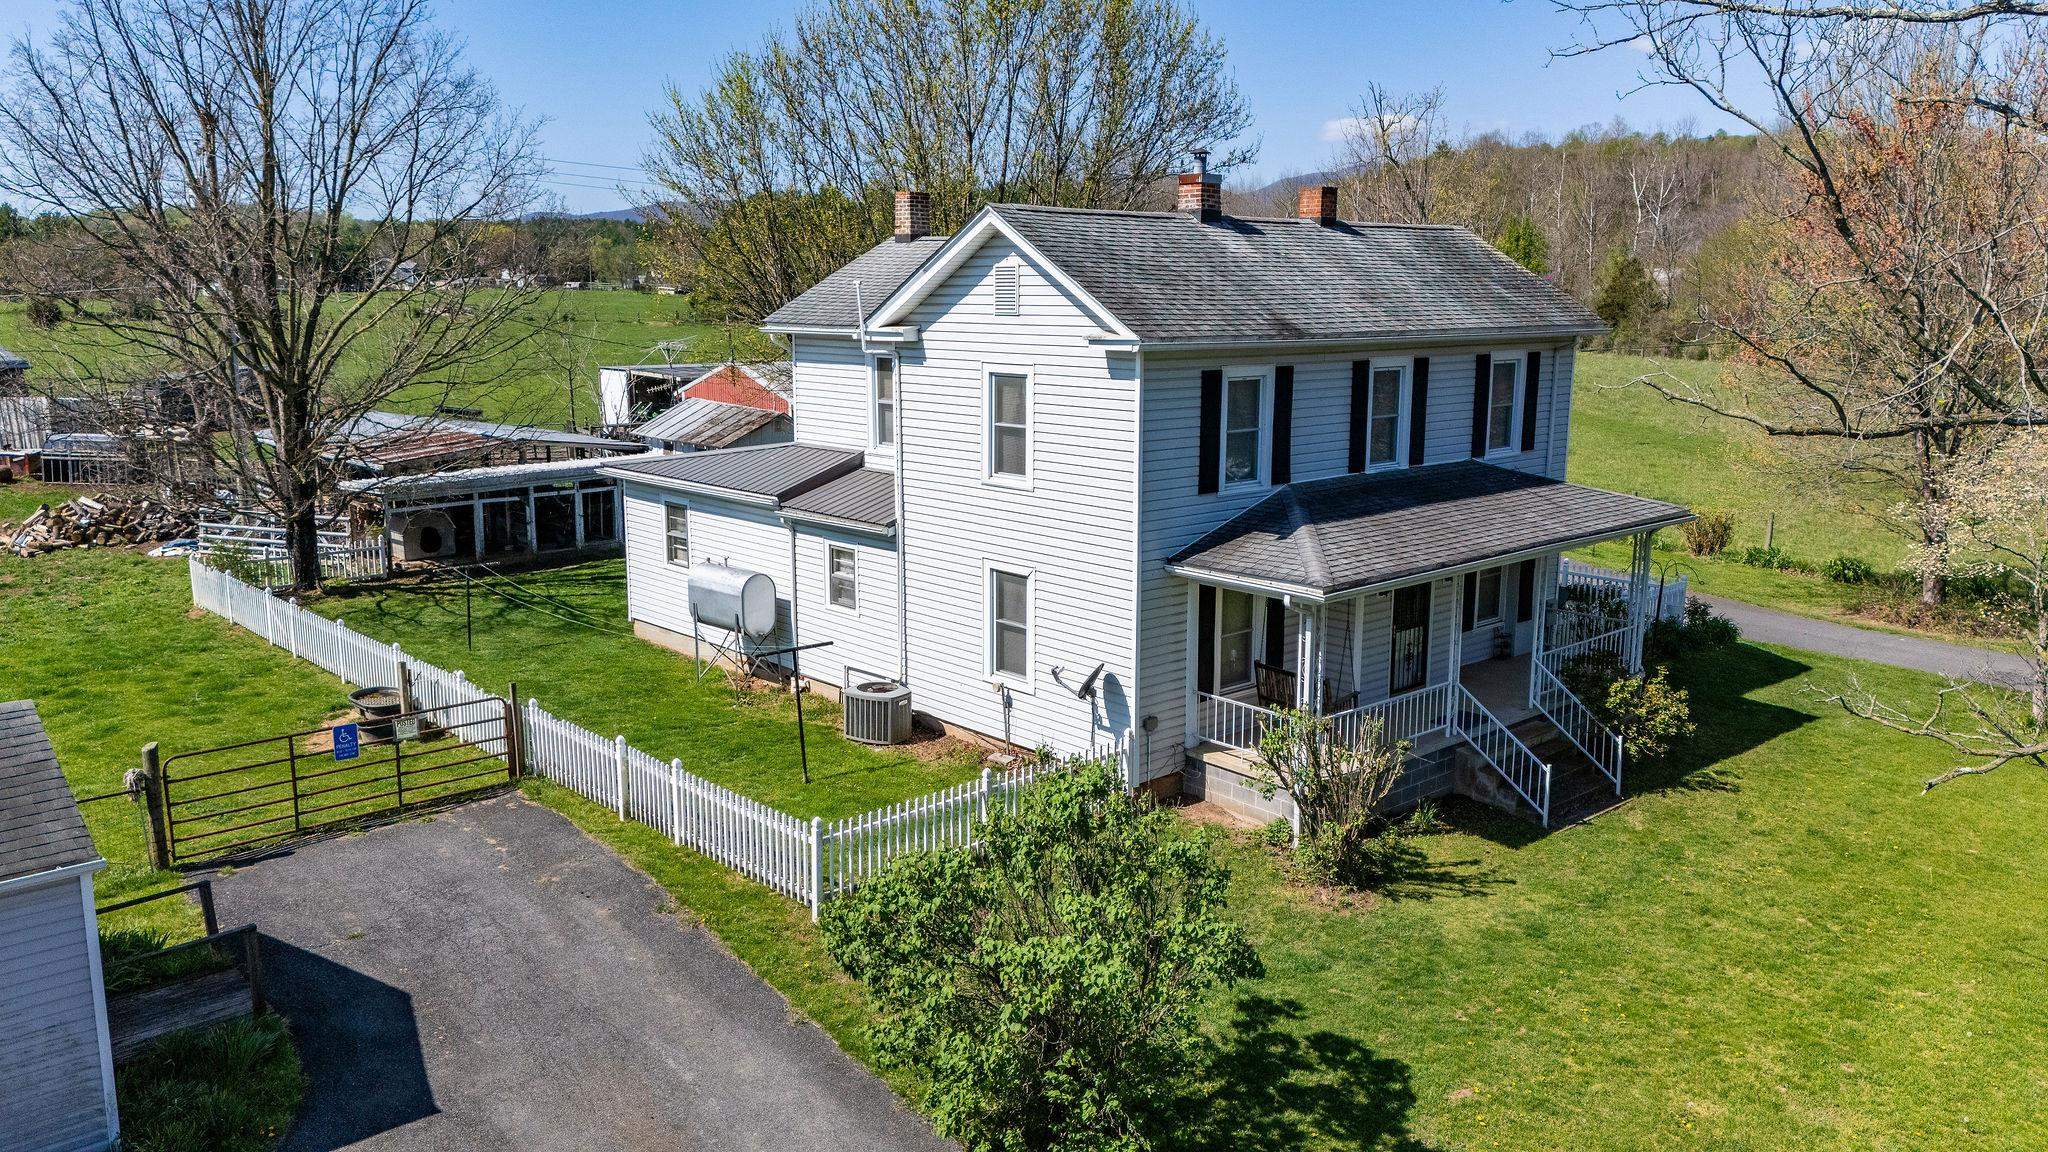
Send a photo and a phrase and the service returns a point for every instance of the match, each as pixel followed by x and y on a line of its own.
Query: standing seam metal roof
pixel 1375 529
pixel 864 497
pixel 771 471
pixel 40 828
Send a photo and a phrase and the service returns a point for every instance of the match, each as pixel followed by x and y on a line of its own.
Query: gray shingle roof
pixel 773 472
pixel 1172 278
pixel 866 497
pixel 39 824
pixel 1348 533
pixel 881 270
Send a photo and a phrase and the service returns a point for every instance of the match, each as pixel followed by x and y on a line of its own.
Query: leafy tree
pixel 1525 244
pixel 1046 984
pixel 1628 297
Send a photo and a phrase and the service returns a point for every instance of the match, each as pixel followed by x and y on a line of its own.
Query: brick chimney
pixel 1319 204
pixel 913 214
pixel 1201 194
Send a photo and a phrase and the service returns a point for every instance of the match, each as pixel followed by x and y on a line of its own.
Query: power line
pixel 590 164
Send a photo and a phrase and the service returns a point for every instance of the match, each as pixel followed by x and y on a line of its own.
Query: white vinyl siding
pixel 1175 513
pixel 864 637
pixel 1073 529
pixel 52 1094
pixel 658 590
pixel 832 384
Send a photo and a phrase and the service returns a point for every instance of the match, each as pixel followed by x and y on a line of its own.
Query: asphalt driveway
pixel 1956 661
pixel 492 978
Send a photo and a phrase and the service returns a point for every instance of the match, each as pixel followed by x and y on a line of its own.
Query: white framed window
pixel 1237 627
pixel 1387 417
pixel 884 419
pixel 842 584
pixel 676 527
pixel 1009 624
pixel 1487 602
pixel 1503 402
pixel 1003 288
pixel 1246 396
pixel 1009 424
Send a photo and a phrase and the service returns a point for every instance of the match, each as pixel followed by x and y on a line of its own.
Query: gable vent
pixel 1006 289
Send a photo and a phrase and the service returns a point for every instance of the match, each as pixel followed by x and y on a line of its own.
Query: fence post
pixel 619 748
pixel 818 862
pixel 675 800
pixel 515 734
pixel 294 625
pixel 146 786
pixel 986 774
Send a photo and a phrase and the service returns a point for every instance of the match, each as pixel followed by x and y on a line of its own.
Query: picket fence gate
pixel 807 860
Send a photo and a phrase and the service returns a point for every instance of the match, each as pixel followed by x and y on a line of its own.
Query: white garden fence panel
pixel 805 860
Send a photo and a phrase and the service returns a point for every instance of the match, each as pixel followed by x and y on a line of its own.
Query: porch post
pixel 1456 630
pixel 1191 699
pixel 1307 637
pixel 1540 589
pixel 1638 595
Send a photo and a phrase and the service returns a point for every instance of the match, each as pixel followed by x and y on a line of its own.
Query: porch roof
pixel 1324 538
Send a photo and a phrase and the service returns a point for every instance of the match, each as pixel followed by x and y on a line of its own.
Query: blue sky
pixel 595 69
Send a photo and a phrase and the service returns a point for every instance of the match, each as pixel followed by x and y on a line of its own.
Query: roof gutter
pixel 751 499
pixel 1435 338
pixel 52 875
pixel 841 522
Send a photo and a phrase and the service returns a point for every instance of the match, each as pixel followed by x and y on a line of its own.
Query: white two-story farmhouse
pixel 1081 478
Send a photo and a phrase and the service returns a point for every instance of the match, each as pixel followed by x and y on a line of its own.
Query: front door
pixel 1411 640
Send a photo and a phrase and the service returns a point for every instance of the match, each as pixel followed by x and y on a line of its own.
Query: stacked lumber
pixel 93 522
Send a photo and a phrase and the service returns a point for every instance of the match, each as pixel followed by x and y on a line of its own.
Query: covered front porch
pixel 1443 616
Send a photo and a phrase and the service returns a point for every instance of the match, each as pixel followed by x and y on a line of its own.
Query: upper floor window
pixel 840 583
pixel 676 523
pixel 1500 404
pixel 1009 624
pixel 885 400
pixel 1387 416
pixel 1244 412
pixel 1009 428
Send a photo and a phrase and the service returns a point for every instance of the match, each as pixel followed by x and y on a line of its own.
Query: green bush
pixel 1699 631
pixel 1644 710
pixel 1773 558
pixel 1709 534
pixel 45 311
pixel 1849 570
pixel 1047 985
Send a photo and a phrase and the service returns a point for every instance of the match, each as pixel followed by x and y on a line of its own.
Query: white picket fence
pixel 809 861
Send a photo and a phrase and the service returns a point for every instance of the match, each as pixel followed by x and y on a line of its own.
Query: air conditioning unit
pixel 427 536
pixel 876 711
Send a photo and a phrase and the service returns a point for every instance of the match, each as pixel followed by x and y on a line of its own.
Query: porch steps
pixel 1578 789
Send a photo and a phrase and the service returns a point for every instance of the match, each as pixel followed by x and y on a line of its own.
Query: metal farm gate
pixel 241 798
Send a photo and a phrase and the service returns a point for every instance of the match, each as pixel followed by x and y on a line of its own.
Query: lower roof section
pixel 864 500
pixel 766 474
pixel 1326 538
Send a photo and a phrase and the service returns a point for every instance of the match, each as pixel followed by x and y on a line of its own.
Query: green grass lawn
pixel 560 338
pixel 1629 439
pixel 570 647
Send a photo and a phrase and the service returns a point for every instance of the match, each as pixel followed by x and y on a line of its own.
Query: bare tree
pixel 782 168
pixel 1393 145
pixel 301 187
pixel 1894 313
pixel 1997 508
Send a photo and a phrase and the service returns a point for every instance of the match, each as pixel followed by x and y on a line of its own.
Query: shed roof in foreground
pixel 763 474
pixel 863 499
pixel 1376 530
pixel 40 829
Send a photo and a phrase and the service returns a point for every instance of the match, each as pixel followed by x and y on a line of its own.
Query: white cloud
pixel 1341 129
pixel 1398 128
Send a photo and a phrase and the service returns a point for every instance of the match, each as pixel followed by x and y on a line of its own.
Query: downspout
pixel 1134 772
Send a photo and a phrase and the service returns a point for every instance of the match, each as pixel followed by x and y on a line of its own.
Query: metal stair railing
pixel 1524 771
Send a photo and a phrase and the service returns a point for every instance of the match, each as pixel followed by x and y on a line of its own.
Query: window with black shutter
pixel 1482 390
pixel 1361 414
pixel 1282 450
pixel 1530 388
pixel 1209 468
pixel 1205 638
pixel 1418 411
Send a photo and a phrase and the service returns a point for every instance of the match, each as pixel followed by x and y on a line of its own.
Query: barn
pixel 56 1064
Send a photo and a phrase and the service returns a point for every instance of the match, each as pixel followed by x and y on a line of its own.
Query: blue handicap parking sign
pixel 348 741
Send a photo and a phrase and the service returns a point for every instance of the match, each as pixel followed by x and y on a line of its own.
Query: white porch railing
pixel 1231 723
pixel 1524 772
pixel 1409 716
pixel 1661 599
pixel 1564 709
pixel 1619 641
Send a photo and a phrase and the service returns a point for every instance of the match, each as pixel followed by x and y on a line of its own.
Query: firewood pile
pixel 94 522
